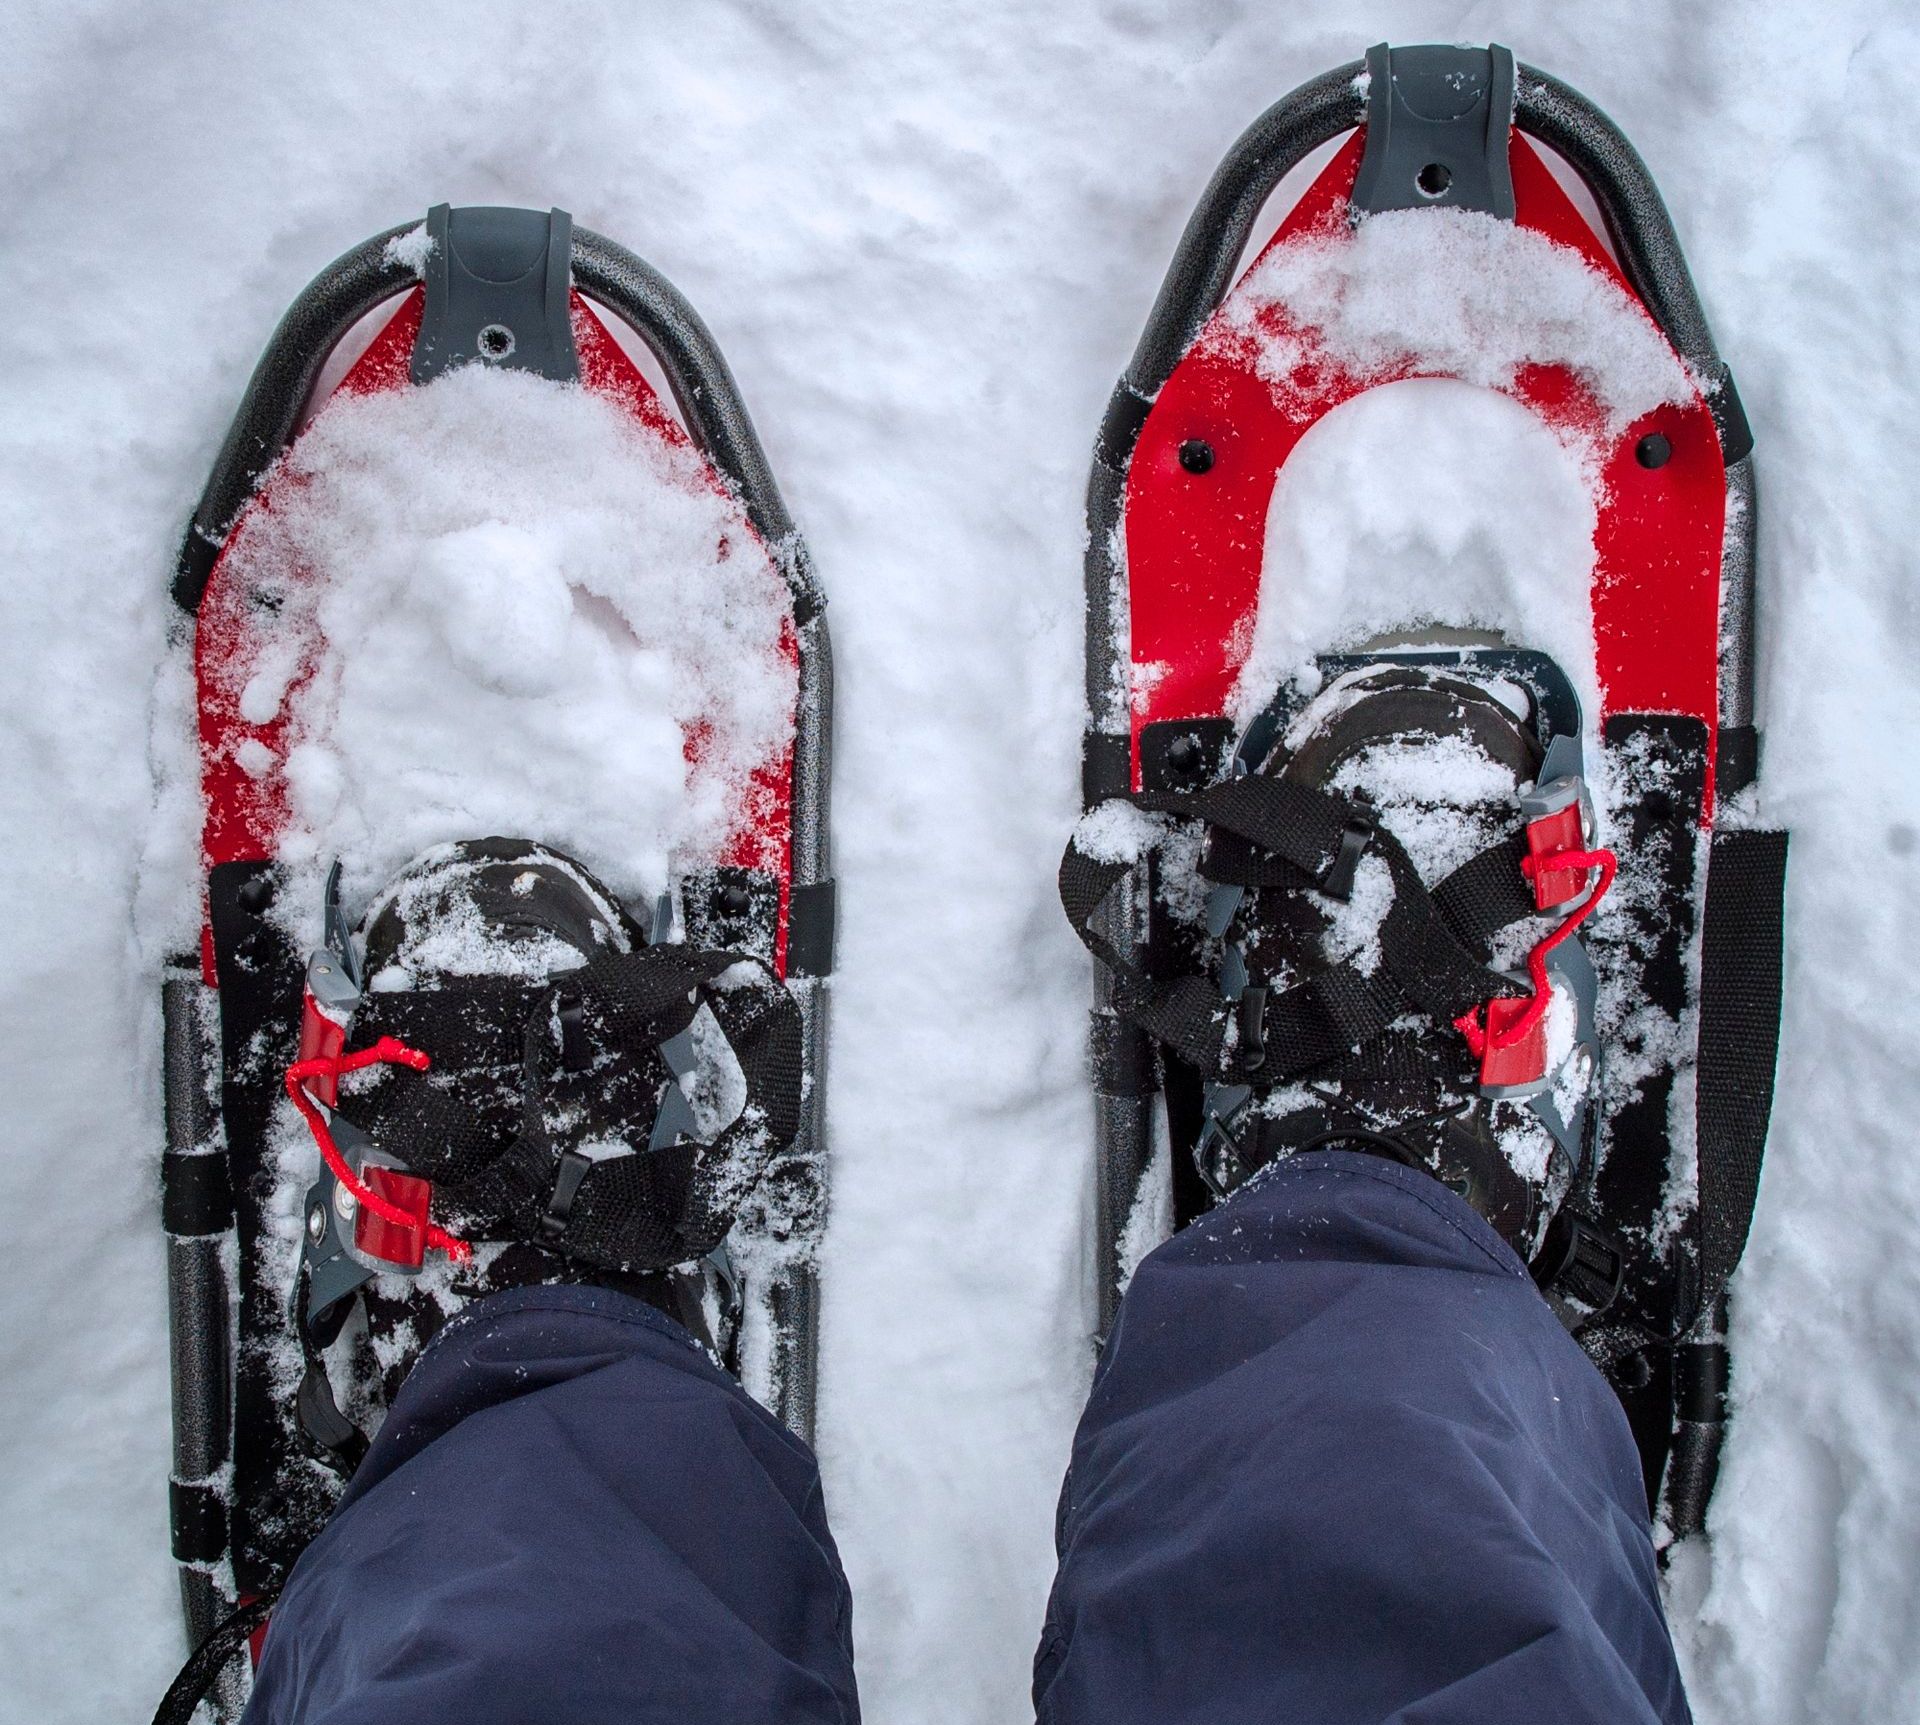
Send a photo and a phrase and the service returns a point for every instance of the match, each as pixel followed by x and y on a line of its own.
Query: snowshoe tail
pixel 1184 467
pixel 523 290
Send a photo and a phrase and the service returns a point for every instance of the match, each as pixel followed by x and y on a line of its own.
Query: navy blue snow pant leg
pixel 570 1516
pixel 1341 1464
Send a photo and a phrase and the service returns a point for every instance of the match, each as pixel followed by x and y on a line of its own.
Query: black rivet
pixel 1196 456
pixel 1434 179
pixel 256 893
pixel 1183 755
pixel 734 899
pixel 1653 450
pixel 1634 1372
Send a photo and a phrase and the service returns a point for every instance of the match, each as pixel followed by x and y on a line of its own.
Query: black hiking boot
pixel 1385 892
pixel 537 1094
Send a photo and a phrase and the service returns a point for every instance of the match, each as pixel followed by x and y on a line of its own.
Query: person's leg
pixel 570 1514
pixel 1341 1463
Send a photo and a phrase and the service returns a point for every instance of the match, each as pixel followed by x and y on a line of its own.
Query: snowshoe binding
pixel 1446 851
pixel 534 583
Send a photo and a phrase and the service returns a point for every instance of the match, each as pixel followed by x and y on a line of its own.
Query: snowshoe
pixel 478 572
pixel 1439 843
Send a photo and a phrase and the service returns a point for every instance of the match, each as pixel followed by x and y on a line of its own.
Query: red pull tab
pixel 377 1234
pixel 1549 838
pixel 320 1039
pixel 1524 1059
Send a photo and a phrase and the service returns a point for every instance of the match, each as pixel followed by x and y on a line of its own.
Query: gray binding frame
pixel 201 1244
pixel 1205 265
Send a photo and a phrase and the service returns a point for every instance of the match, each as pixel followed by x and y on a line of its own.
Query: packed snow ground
pixel 926 238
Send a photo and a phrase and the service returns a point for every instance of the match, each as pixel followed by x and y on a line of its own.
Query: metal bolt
pixel 317 1223
pixel 735 900
pixel 1653 450
pixel 344 1204
pixel 1183 755
pixel 1196 456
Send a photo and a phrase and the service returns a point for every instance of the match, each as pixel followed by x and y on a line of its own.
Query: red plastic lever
pixel 1549 839
pixel 379 1237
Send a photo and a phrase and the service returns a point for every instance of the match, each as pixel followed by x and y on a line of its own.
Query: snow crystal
pixel 524 602
pixel 1444 798
pixel 1353 932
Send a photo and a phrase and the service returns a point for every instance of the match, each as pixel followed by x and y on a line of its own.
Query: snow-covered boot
pixel 534 1094
pixel 1389 882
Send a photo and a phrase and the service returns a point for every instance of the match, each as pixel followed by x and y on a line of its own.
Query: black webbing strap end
pixel 1739 1040
pixel 1106 768
pixel 812 916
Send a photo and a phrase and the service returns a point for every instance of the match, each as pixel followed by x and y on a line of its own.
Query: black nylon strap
pixel 1486 893
pixel 652 1210
pixel 528 1078
pixel 1330 1014
pixel 1271 832
pixel 643 1209
pixel 480 1022
pixel 1740 987
pixel 1186 1013
pixel 1438 974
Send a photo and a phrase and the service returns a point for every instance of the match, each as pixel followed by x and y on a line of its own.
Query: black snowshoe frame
pixel 1672 1384
pixel 212 1088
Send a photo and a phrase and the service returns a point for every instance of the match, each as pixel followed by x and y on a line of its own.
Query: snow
pixel 1457 292
pixel 926 238
pixel 1464 509
pixel 1117 832
pixel 525 599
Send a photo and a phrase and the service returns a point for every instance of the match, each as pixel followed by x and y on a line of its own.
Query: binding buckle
pixel 1517 1068
pixel 1581 1266
pixel 401 1245
pixel 1559 821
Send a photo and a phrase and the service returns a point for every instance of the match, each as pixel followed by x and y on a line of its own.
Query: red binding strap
pixel 1469 1024
pixel 388 1051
